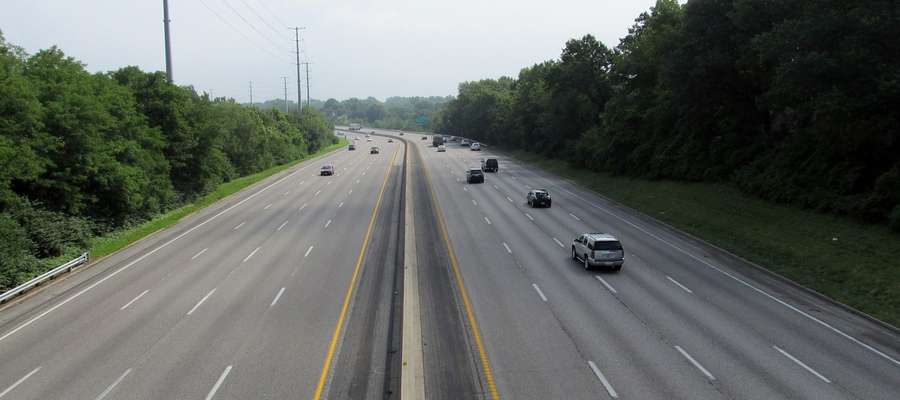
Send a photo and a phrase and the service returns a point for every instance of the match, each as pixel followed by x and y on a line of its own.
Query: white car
pixel 475 146
pixel 441 148
pixel 368 139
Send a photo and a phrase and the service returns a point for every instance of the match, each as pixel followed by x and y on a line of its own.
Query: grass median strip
pixel 851 262
pixel 110 243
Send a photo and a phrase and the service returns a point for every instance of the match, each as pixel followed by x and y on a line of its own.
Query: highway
pixel 681 320
pixel 240 301
pixel 293 288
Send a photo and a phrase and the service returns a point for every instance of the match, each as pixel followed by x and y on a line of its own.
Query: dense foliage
pixel 409 113
pixel 82 154
pixel 792 101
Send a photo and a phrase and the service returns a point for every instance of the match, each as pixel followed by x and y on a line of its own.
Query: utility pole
pixel 284 79
pixel 297 47
pixel 168 41
pixel 251 93
pixel 308 96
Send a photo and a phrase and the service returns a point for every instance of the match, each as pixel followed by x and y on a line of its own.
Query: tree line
pixel 408 113
pixel 84 154
pixel 792 101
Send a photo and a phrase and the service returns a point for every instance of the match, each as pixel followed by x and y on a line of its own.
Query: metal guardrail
pixel 53 273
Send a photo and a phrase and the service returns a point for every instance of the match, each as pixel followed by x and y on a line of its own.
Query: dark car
pixel 490 165
pixel 538 198
pixel 474 175
pixel 424 137
pixel 373 150
pixel 351 147
pixel 326 170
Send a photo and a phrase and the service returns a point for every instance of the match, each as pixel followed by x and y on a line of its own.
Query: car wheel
pixel 574 257
pixel 549 204
pixel 617 268
pixel 587 267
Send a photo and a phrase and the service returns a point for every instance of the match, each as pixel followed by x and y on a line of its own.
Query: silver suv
pixel 598 250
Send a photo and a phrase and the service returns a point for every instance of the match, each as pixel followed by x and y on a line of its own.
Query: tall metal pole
pixel 168 41
pixel 297 47
pixel 308 96
pixel 251 93
pixel 284 79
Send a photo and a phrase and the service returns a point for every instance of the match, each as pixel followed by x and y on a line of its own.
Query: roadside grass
pixel 853 263
pixel 110 243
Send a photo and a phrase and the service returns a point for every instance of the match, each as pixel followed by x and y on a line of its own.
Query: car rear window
pixel 540 194
pixel 491 162
pixel 607 245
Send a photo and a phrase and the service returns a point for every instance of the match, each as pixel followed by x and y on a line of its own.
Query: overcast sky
pixel 357 48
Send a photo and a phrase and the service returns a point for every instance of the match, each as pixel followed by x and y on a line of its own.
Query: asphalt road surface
pixel 681 320
pixel 239 302
pixel 292 289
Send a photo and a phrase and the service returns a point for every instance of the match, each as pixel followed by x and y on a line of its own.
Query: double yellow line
pixel 329 357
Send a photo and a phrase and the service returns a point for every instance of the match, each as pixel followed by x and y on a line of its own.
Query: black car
pixel 538 198
pixel 490 165
pixel 474 175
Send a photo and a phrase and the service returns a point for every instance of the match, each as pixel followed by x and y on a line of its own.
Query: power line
pixel 234 28
pixel 264 21
pixel 264 36
pixel 274 15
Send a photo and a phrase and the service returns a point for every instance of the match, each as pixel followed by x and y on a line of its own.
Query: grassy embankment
pixel 110 243
pixel 856 264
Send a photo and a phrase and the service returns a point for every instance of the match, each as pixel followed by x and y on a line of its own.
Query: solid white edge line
pixel 559 243
pixel 282 226
pixel 507 248
pixel 696 364
pixel 539 292
pixel 134 299
pixel 277 296
pixel 606 385
pixel 802 364
pixel 251 254
pixel 238 226
pixel 19 382
pixel 679 284
pixel 529 216
pixel 603 281
pixel 199 303
pixel 308 251
pixel 741 281
pixel 215 388
pixel 148 254
pixel 200 253
pixel 113 385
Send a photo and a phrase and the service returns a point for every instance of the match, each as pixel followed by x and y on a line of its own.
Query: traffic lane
pixel 284 356
pixel 84 308
pixel 861 371
pixel 532 355
pixel 735 354
pixel 131 347
pixel 20 311
pixel 636 361
pixel 361 367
